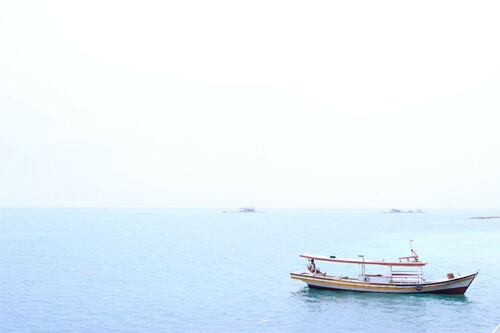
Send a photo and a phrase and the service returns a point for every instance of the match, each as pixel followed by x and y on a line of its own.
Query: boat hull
pixel 455 286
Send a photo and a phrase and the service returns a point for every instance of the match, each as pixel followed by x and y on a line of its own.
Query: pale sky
pixel 289 104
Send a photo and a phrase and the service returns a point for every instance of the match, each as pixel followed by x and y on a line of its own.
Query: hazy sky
pixel 299 104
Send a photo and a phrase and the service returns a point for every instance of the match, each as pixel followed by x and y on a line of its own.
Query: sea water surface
pixel 166 270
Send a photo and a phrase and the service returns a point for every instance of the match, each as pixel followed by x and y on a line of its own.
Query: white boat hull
pixel 455 286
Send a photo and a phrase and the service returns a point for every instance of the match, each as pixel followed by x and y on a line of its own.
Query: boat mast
pixel 415 257
pixel 362 265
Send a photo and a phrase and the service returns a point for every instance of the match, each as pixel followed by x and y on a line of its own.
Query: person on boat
pixel 312 268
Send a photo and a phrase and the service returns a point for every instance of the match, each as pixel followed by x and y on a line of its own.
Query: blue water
pixel 110 270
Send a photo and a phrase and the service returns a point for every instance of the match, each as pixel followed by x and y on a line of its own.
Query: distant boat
pixel 396 211
pixel 399 281
pixel 244 210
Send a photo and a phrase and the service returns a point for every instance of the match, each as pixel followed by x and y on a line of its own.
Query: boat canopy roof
pixel 364 261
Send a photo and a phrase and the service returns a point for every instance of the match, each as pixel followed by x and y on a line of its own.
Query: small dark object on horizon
pixel 333 257
pixel 484 217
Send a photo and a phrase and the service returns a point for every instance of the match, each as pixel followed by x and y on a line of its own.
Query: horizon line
pixel 233 207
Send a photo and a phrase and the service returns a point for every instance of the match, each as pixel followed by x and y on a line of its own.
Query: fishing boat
pixel 405 276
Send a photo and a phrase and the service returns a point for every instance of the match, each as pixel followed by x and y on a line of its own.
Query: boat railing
pixel 406 278
pixel 407 274
pixel 409 258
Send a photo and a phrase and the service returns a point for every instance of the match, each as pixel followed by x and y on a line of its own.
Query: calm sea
pixel 158 270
